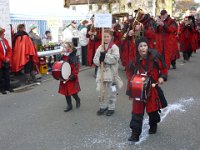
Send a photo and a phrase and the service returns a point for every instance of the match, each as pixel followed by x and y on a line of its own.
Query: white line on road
pixel 179 106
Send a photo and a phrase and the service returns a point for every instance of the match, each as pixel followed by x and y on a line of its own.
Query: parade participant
pixel 128 44
pixel 148 28
pixel 116 32
pixel 108 54
pixel 166 27
pixel 24 54
pixel 70 87
pixel 175 49
pixel 94 35
pixel 5 61
pixel 148 62
pixel 187 42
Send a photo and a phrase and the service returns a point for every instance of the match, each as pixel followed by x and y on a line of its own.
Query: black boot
pixel 69 103
pixel 78 100
pixel 153 129
pixel 78 103
pixel 173 63
pixel 135 137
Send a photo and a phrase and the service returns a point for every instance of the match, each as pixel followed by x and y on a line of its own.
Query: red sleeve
pixel 171 27
pixel 2 57
pixel 163 70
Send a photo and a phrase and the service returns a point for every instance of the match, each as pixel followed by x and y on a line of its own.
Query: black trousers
pixel 28 68
pixel 84 50
pixel 173 62
pixel 187 55
pixel 69 99
pixel 137 121
pixel 4 78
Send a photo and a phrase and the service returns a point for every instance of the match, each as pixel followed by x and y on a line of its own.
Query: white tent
pixel 42 10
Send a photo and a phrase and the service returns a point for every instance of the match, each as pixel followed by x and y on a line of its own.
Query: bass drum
pixel 61 70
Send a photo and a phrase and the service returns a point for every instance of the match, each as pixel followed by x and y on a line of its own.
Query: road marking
pixel 179 106
pixel 118 140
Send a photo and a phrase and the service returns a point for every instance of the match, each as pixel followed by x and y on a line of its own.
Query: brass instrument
pixel 92 29
pixel 135 22
pixel 138 16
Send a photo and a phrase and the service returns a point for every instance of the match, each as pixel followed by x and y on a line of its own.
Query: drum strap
pixel 139 64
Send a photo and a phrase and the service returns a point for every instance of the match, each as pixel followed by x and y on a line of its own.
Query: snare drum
pixel 61 70
pixel 140 87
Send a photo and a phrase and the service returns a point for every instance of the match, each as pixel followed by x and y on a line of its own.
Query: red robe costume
pixel 8 52
pixel 164 44
pixel 23 50
pixel 149 26
pixel 155 69
pixel 72 85
pixel 93 44
pixel 127 48
pixel 187 42
pixel 117 35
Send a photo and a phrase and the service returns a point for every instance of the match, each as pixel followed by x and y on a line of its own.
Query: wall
pixel 5 18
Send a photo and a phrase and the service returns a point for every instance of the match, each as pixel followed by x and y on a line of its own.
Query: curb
pixel 45 80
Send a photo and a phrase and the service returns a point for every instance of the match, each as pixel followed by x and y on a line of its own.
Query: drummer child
pixel 71 86
pixel 149 61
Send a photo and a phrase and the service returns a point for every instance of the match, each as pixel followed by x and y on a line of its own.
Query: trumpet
pixel 92 29
pixel 133 24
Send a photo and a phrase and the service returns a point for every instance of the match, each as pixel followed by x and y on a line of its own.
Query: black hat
pixel 163 12
pixel 139 40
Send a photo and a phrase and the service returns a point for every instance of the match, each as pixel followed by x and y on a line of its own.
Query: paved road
pixel 33 119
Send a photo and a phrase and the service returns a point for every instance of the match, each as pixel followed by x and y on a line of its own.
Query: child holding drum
pixel 70 87
pixel 152 69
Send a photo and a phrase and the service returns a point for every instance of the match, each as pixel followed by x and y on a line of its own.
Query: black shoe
pixel 78 103
pixel 110 112
pixel 135 137
pixel 11 90
pixel 68 108
pixel 101 111
pixel 153 129
pixel 3 92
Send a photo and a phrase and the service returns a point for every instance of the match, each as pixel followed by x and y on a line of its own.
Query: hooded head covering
pixel 138 41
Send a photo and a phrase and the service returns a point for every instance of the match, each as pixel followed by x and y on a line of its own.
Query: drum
pixel 61 70
pixel 140 87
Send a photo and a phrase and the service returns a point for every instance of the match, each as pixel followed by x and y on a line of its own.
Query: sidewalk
pixel 44 78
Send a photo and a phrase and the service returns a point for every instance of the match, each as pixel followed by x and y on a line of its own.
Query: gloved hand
pixel 102 56
pixel 72 77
